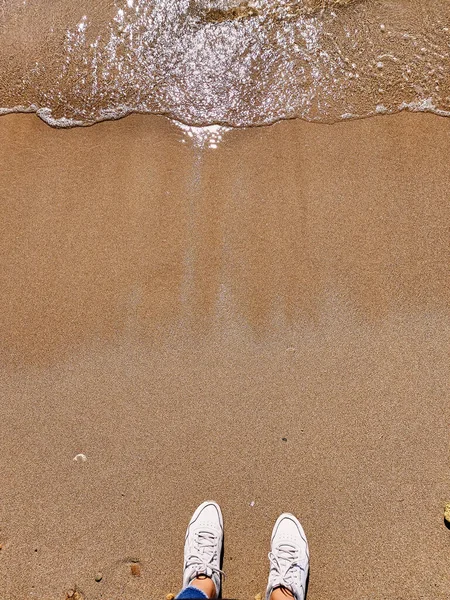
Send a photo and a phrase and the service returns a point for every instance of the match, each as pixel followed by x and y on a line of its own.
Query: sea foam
pixel 218 62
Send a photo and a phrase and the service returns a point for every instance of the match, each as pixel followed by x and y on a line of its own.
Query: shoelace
pixel 202 541
pixel 286 553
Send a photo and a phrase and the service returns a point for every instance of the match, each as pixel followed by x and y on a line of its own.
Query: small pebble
pixel 383 27
pixel 170 596
pixel 284 439
pixel 447 513
pixel 98 577
pixel 258 596
pixel 136 569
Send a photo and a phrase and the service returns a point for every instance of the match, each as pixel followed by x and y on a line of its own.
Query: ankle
pixel 206 584
pixel 281 593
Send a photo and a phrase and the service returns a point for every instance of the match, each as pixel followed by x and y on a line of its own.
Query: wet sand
pixel 173 313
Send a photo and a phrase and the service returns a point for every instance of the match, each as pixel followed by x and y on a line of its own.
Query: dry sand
pixel 174 313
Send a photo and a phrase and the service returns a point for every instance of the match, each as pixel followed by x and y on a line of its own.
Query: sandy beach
pixel 173 313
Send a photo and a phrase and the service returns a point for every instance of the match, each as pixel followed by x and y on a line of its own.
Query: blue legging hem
pixel 191 593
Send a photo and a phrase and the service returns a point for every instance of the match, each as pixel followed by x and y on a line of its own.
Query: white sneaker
pixel 203 545
pixel 289 557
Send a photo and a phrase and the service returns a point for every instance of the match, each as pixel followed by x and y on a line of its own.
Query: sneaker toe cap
pixel 288 529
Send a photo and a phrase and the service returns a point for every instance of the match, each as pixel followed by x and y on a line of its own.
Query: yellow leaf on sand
pixel 447 513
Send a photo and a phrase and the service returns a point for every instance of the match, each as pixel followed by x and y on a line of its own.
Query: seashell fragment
pixel 80 458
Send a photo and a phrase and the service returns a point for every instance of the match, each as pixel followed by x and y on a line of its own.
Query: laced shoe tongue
pixel 205 543
pixel 288 555
pixel 286 560
pixel 205 552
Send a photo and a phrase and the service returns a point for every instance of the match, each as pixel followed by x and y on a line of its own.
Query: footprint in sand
pixel 121 573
